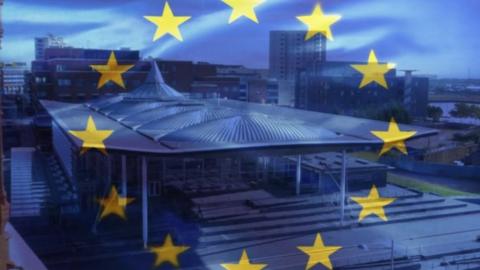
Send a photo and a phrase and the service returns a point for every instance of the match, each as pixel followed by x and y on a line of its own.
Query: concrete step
pixel 401 216
pixel 29 201
pixel 275 202
pixel 26 190
pixel 330 216
pixel 305 211
pixel 227 212
pixel 231 197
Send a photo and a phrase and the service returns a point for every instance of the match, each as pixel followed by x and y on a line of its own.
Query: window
pixel 64 82
pixel 40 79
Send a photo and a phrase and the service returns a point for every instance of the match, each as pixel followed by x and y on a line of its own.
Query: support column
pixel 184 168
pixel 164 173
pixel 343 185
pixel 109 171
pixel 274 166
pixel 144 202
pixel 105 185
pixel 240 174
pixel 203 169
pixel 264 169
pixel 124 176
pixel 299 175
pixel 319 181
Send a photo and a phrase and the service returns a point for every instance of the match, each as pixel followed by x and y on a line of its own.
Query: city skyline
pixel 400 32
pixel 239 134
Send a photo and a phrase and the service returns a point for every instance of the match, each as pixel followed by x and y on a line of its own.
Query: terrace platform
pixel 422 227
pixel 271 229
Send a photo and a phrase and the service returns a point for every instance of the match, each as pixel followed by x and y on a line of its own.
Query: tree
pixel 464 110
pixel 397 111
pixel 434 112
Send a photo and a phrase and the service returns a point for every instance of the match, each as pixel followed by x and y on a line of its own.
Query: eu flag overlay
pixel 239 134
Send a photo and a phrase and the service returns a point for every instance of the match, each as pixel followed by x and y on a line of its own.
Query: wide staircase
pixel 252 218
pixel 29 195
pixel 64 192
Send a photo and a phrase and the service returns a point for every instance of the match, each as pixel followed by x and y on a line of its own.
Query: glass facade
pixel 63 148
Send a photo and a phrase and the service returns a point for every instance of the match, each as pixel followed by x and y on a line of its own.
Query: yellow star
pixel 168 252
pixel 114 204
pixel 319 253
pixel 92 137
pixel 112 71
pixel 243 8
pixel 167 23
pixel 393 137
pixel 373 71
pixel 373 204
pixel 319 23
pixel 244 264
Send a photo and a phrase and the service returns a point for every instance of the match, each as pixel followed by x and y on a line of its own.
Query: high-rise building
pixel 415 97
pixel 50 41
pixel 1 25
pixel 289 51
pixel 332 87
pixel 12 78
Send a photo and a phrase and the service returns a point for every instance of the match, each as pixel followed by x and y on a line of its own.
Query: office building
pixel 65 73
pixel 4 206
pixel 415 89
pixel 289 51
pixel 227 87
pixel 263 91
pixel 333 87
pixel 237 83
pixel 286 93
pixel 43 43
pixel 13 78
pixel 1 24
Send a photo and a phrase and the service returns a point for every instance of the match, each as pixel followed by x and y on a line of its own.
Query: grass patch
pixel 423 186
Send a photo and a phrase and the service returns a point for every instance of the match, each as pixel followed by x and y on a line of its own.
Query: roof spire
pixel 154 75
pixel 155 88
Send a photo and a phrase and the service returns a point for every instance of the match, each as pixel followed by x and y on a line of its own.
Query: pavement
pixel 461 184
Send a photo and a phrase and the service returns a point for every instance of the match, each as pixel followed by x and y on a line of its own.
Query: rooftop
pixel 158 119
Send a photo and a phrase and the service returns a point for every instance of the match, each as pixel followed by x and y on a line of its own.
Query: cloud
pixel 101 28
pixel 205 26
pixel 35 14
pixel 430 33
pixel 84 4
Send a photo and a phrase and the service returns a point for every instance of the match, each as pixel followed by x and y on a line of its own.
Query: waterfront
pixel 447 107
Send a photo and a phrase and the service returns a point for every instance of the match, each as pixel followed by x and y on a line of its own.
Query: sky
pixel 438 37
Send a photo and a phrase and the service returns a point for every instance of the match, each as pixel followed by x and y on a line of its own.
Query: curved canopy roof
pixel 155 118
